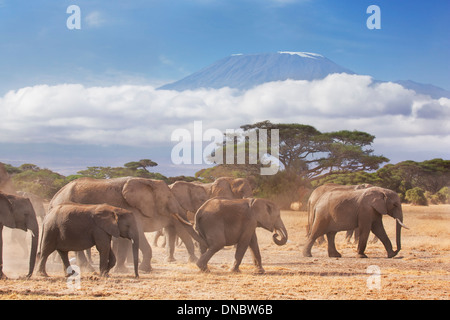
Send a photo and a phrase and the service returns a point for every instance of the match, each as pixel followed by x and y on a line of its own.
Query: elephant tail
pixel 311 217
pixel 199 230
pixel 190 229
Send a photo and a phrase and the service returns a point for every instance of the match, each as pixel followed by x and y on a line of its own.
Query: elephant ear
pixel 139 194
pixel 378 202
pixel 107 221
pixel 7 215
pixel 222 188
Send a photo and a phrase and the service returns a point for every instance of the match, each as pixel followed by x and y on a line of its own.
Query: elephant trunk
pixel 135 248
pixel 398 236
pixel 398 230
pixel 280 231
pixel 34 228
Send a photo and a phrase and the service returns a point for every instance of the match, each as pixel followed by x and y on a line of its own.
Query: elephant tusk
pixel 401 223
pixel 177 216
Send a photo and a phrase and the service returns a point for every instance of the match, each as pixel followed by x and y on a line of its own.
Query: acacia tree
pixel 309 153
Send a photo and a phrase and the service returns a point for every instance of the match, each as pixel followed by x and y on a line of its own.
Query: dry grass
pixel 420 271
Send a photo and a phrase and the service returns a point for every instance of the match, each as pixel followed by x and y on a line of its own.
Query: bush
pixel 416 196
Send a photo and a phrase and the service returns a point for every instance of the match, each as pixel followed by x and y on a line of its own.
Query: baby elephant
pixel 225 222
pixel 76 227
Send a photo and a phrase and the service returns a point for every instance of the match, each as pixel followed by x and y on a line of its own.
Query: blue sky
pixel 72 77
pixel 160 41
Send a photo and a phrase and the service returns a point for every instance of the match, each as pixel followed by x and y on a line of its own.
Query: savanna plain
pixel 420 271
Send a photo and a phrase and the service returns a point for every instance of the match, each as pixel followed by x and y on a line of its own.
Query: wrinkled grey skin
pixel 191 195
pixel 319 191
pixel 76 227
pixel 17 212
pixel 224 222
pixel 151 201
pixel 341 209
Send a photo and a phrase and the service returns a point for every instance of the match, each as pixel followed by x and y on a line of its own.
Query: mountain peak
pixel 244 71
pixel 303 54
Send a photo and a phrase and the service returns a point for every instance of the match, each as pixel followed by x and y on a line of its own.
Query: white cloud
pixel 95 19
pixel 135 115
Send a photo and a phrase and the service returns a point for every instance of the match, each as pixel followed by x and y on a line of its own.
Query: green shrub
pixel 416 196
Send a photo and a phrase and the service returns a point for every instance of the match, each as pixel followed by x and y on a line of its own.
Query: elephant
pixel 340 209
pixel 225 222
pixel 319 191
pixel 151 201
pixel 76 227
pixel 191 195
pixel 17 212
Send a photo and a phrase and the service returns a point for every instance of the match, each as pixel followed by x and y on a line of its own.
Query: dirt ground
pixel 420 271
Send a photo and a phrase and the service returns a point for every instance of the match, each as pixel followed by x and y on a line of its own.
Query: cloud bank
pixel 140 116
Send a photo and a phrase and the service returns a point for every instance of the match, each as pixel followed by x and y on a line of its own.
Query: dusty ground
pixel 420 271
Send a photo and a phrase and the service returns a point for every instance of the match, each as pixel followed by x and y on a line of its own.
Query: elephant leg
pixel 146 250
pixel 2 275
pixel 356 235
pixel 105 255
pixel 83 262
pixel 308 246
pixel 348 235
pixel 320 240
pixel 310 242
pixel 42 263
pixel 332 251
pixel 241 248
pixel 374 239
pixel 378 230
pixel 202 262
pixel 65 260
pixel 254 248
pixel 170 235
pixel 187 240
pixel 362 241
pixel 111 260
pixel 123 246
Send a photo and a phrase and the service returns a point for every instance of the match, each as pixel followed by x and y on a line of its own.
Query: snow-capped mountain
pixel 244 71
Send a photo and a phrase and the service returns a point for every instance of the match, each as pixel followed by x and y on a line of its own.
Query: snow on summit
pixel 303 54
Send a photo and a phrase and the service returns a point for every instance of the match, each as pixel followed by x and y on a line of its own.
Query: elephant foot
pixel 145 267
pixel 260 270
pixel 170 259
pixel 235 270
pixel 3 276
pixel 87 268
pixel 192 259
pixel 120 269
pixel 361 255
pixel 307 253
pixel 203 268
pixel 392 254
pixel 334 255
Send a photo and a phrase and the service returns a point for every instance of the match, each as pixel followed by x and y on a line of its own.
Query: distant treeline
pixel 309 158
pixel 419 183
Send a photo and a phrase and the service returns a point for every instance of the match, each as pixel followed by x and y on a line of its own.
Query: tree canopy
pixel 309 153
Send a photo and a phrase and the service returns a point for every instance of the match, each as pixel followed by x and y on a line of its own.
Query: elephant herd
pixel 94 212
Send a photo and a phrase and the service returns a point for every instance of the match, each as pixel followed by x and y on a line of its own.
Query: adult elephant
pixel 151 201
pixel 191 195
pixel 76 227
pixel 224 222
pixel 320 191
pixel 341 209
pixel 17 212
